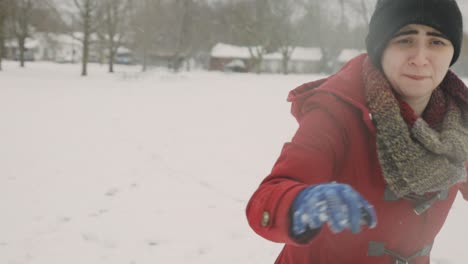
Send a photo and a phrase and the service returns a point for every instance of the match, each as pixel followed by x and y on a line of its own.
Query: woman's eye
pixel 438 43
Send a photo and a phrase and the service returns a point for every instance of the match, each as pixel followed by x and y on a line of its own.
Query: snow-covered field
pixel 136 168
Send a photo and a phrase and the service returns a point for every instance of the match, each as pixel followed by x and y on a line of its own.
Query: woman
pixel 379 155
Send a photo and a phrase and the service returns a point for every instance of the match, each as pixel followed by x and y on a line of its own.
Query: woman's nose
pixel 419 56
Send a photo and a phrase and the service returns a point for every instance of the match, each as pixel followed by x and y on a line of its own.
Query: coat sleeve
pixel 312 157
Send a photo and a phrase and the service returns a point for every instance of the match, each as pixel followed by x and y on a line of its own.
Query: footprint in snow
pixel 152 243
pixel 112 192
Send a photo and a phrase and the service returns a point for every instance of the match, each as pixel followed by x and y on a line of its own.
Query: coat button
pixel 265 218
pixel 370 116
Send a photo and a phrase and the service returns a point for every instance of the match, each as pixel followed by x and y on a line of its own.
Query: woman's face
pixel 416 61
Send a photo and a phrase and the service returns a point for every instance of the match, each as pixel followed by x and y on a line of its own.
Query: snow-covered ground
pixel 136 168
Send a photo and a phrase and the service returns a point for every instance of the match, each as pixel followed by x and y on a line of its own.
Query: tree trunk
pixel 285 64
pixel 145 62
pixel 111 59
pixel 258 62
pixel 22 33
pixel 183 37
pixel 2 25
pixel 146 30
pixel 86 29
pixel 144 65
pixel 286 52
pixel 2 39
pixel 84 60
pixel 112 21
pixel 21 42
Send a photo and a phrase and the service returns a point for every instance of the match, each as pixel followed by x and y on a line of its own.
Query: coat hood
pixel 347 85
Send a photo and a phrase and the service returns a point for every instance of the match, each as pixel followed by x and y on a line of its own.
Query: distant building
pixel 12 50
pixel 47 46
pixel 304 60
pixel 225 57
pixel 60 48
pixel 65 48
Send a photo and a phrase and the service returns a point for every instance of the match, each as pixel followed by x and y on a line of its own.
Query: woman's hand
pixel 337 204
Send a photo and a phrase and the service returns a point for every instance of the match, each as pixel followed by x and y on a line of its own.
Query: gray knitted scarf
pixel 417 157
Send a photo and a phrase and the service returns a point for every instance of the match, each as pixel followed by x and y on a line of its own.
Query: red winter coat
pixel 336 141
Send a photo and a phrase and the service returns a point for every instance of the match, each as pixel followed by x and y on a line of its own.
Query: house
pixel 303 60
pixel 12 50
pixel 65 48
pixel 60 48
pixel 48 46
pixel 225 57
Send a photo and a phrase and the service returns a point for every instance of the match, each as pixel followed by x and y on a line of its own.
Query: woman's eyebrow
pixel 406 32
pixel 436 34
pixel 415 32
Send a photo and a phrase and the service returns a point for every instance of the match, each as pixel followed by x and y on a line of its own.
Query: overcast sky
pixel 463 4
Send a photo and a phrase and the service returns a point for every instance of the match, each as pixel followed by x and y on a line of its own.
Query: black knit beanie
pixel 391 15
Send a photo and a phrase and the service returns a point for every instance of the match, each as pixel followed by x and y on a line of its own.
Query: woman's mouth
pixel 416 77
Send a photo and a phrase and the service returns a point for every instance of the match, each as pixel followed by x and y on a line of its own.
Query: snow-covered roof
pixel 67 39
pixel 80 36
pixel 63 39
pixel 29 43
pixel 123 50
pixel 222 50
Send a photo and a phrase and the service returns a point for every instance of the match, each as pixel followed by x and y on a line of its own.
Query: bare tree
pixel 3 15
pixel 185 30
pixel 362 8
pixel 47 17
pixel 165 31
pixel 87 20
pixel 184 34
pixel 115 20
pixel 142 31
pixel 325 27
pixel 202 32
pixel 20 24
pixel 145 23
pixel 261 32
pixel 252 26
pixel 286 32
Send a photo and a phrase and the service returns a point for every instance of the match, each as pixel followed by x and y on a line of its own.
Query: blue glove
pixel 337 204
